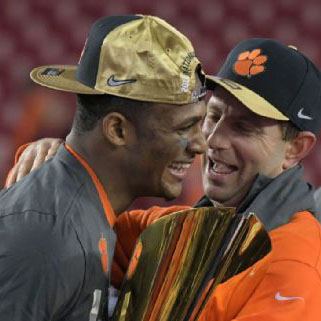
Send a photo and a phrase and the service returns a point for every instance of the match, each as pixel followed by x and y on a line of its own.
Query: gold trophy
pixel 180 259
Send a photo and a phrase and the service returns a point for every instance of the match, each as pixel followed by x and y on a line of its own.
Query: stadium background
pixel 38 32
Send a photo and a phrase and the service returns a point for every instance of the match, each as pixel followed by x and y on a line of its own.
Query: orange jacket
pixel 290 287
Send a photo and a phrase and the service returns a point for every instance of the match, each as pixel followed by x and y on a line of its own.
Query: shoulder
pixel 38 236
pixel 50 190
pixel 299 240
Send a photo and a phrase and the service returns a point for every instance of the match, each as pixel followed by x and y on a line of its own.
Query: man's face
pixel 166 147
pixel 241 145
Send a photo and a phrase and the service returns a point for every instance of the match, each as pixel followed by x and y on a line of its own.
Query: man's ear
pixel 298 148
pixel 116 128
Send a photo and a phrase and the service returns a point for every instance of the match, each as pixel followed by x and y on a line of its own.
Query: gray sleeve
pixel 42 268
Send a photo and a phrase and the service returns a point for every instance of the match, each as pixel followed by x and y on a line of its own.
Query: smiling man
pixel 241 144
pixel 140 91
pixel 261 121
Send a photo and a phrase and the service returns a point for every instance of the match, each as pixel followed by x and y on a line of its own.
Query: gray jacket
pixel 54 235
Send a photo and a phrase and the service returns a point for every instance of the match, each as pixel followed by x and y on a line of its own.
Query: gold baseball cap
pixel 137 57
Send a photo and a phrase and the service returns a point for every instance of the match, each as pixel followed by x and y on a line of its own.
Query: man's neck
pixel 106 169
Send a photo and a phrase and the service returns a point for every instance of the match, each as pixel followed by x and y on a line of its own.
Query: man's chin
pixel 171 192
pixel 223 197
pixel 170 198
pixel 216 195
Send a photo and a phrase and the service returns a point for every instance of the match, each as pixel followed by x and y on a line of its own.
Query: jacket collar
pixel 87 176
pixel 276 200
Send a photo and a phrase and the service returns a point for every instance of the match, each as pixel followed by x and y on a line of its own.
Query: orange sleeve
pixel 129 225
pixel 290 291
pixel 19 151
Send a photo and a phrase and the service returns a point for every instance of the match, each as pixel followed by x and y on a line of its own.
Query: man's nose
pixel 219 137
pixel 198 143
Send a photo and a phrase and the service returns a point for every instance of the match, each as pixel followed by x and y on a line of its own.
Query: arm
pixel 129 225
pixel 41 269
pixel 30 156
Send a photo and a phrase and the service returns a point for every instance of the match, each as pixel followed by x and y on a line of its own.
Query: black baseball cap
pixel 273 80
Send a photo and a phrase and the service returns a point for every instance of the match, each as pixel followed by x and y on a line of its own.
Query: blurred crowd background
pixel 37 32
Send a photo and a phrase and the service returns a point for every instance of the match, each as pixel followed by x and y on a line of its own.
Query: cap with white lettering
pixel 137 57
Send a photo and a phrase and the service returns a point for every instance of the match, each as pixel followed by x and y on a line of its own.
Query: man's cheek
pixel 182 143
pixel 207 129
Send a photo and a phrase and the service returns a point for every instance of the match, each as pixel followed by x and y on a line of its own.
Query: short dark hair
pixel 91 108
pixel 289 130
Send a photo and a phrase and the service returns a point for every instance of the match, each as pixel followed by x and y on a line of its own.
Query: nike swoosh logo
pixel 280 297
pixel 302 116
pixel 112 82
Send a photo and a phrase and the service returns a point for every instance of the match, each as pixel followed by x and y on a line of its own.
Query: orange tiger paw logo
pixel 103 249
pixel 250 63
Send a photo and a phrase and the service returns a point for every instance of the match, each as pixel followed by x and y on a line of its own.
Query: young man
pixel 140 92
pixel 261 122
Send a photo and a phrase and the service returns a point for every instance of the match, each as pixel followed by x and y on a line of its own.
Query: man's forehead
pixel 164 112
pixel 223 101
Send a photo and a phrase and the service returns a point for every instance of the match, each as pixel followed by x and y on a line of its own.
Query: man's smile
pixel 217 169
pixel 179 169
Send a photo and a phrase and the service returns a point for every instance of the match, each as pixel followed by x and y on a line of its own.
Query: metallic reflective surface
pixel 181 258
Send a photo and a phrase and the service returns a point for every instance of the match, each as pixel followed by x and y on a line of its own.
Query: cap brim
pixel 61 77
pixel 247 97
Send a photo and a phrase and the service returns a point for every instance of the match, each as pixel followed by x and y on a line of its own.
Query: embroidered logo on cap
pixel 186 70
pixel 250 63
pixel 112 82
pixel 199 94
pixel 303 116
pixel 54 72
pixel 186 65
pixel 185 83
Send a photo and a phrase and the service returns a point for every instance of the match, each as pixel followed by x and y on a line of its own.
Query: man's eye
pixel 244 128
pixel 213 117
pixel 186 127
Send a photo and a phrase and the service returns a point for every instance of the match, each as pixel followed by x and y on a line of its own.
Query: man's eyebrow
pixel 250 120
pixel 213 107
pixel 253 122
pixel 253 119
pixel 191 120
pixel 194 119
